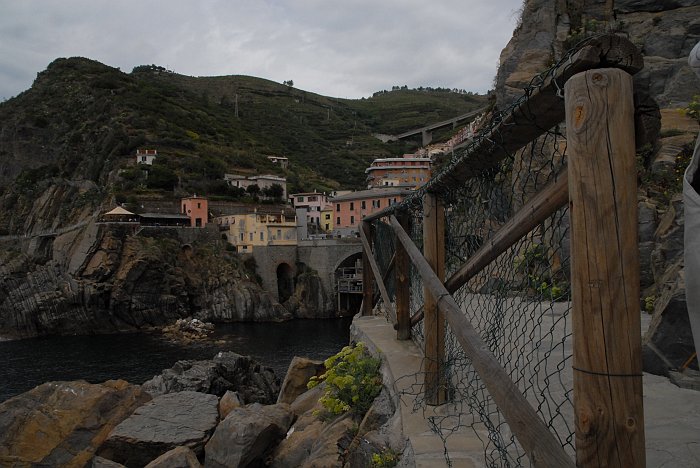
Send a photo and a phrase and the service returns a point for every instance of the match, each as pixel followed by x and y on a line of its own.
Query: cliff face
pixel 665 31
pixel 97 278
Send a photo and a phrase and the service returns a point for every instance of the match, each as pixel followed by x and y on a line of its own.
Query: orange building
pixel 197 208
pixel 408 171
pixel 349 209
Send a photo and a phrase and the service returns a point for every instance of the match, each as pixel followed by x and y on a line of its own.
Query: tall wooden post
pixel 605 270
pixel 402 268
pixel 434 253
pixel 367 277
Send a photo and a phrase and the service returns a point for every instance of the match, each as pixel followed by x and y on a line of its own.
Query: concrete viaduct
pixel 274 263
pixel 427 131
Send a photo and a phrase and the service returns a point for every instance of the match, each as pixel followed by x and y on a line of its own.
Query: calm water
pixel 137 357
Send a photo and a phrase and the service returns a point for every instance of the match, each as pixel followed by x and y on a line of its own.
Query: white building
pixel 146 156
pixel 265 181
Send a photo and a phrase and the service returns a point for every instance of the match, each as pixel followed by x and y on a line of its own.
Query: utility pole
pixel 235 105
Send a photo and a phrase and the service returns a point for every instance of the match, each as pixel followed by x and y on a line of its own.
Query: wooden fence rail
pixel 600 187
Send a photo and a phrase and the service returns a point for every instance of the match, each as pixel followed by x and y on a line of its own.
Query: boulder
pixel 247 435
pixel 63 423
pixel 317 445
pixel 298 375
pixel 176 419
pixel 227 371
pixel 179 457
pixel 99 462
pixel 228 403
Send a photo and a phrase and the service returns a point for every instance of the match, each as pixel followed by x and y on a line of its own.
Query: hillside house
pixel 409 171
pixel 312 204
pixel 196 209
pixel 264 182
pixel 146 156
pixel 246 231
pixel 281 161
pixel 349 209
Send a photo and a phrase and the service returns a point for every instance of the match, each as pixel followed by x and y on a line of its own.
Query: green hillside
pixel 84 120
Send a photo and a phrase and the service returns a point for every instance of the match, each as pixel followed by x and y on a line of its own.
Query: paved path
pixel 671 414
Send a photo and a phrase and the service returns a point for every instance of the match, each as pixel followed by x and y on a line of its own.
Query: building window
pixel 337 207
pixel 327 227
pixel 328 216
pixel 352 220
pixel 262 236
pixel 364 205
pixel 300 199
pixel 379 203
pixel 241 237
pixel 199 205
pixel 352 206
pixel 184 209
pixel 279 234
pixel 337 221
pixel 251 236
pixel 312 198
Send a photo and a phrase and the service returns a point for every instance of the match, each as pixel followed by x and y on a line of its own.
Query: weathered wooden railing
pixel 599 185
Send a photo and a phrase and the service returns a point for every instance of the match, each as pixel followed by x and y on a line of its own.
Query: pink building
pixel 197 209
pixel 408 171
pixel 349 209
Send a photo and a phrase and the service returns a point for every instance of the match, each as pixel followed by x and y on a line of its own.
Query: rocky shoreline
pixel 224 412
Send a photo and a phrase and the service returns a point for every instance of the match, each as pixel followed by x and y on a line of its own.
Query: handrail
pixel 539 444
pixel 377 276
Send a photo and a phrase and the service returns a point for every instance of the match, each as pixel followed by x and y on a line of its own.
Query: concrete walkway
pixel 671 414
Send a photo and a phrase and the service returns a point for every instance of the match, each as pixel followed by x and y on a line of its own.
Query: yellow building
pixel 326 219
pixel 246 231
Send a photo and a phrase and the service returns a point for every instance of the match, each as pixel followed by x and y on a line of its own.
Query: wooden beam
pixel 554 196
pixel 540 112
pixel 385 276
pixel 376 273
pixel 434 330
pixel 403 293
pixel 605 270
pixel 367 280
pixel 540 445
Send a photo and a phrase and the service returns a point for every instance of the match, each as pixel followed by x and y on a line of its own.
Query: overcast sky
pixel 348 48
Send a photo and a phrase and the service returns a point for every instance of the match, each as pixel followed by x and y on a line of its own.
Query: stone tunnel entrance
pixel 348 279
pixel 285 282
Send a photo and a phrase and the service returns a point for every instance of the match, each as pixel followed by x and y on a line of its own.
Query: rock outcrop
pixel 228 371
pixel 101 279
pixel 184 419
pixel 298 375
pixel 248 434
pixel 63 423
pixel 179 457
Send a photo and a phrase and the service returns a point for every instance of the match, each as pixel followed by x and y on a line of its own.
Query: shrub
pixel 385 459
pixel 352 381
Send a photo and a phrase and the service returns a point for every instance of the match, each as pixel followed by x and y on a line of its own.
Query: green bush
pixel 385 459
pixel 352 381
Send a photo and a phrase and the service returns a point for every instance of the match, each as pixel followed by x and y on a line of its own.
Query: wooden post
pixel 434 253
pixel 367 278
pixel 402 271
pixel 605 270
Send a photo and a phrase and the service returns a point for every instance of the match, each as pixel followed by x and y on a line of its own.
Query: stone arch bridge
pixel 277 264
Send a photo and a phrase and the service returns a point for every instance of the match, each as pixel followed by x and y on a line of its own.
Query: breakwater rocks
pixel 227 412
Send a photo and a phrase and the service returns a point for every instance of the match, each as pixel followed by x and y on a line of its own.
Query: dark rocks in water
pixel 253 382
pixel 247 435
pixel 176 419
pixel 63 423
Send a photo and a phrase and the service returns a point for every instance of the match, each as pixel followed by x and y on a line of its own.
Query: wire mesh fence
pixel 520 302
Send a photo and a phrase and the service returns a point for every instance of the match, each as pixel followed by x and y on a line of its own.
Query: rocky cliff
pixel 105 278
pixel 665 32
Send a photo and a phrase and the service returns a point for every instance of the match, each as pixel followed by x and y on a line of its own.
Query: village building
pixel 264 182
pixel 281 161
pixel 349 209
pixel 310 205
pixel 327 218
pixel 146 156
pixel 408 171
pixel 197 210
pixel 250 230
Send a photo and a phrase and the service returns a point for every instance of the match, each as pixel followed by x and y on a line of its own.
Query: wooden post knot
pixel 599 79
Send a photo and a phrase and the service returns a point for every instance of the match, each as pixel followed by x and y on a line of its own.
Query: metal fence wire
pixel 520 303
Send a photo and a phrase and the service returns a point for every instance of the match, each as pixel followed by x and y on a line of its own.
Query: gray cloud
pixel 343 49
